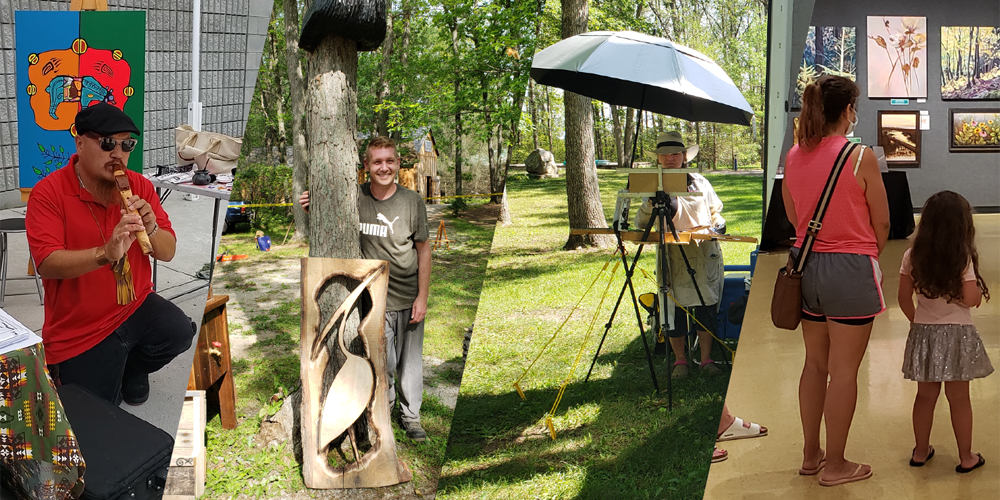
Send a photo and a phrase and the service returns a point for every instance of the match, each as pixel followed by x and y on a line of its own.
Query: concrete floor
pixel 192 221
pixel 764 389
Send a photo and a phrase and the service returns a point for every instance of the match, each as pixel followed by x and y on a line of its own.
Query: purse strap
pixel 824 202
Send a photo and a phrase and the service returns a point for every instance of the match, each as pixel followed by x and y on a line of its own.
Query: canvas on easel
pixel 67 61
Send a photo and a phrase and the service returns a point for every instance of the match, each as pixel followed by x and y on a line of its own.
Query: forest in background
pixel 459 69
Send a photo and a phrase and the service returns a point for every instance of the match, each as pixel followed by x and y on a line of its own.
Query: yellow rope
pixel 732 353
pixel 517 383
pixel 579 354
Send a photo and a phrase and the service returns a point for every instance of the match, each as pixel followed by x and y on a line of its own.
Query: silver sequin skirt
pixel 943 353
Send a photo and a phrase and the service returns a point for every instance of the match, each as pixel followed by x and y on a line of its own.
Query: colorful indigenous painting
pixel 970 63
pixel 899 136
pixel 975 130
pixel 897 57
pixel 67 61
pixel 829 50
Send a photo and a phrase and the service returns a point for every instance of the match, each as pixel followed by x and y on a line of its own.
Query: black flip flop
pixel 914 463
pixel 963 470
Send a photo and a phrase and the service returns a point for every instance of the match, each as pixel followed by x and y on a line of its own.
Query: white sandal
pixel 739 431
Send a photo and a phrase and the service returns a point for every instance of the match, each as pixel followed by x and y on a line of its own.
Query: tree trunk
pixel 297 90
pixel 534 113
pixel 514 139
pixel 331 116
pixel 616 131
pixel 272 47
pixel 492 166
pixel 818 48
pixel 458 110
pixel 583 195
pixel 629 135
pixel 548 115
pixel 504 219
pixel 405 43
pixel 382 117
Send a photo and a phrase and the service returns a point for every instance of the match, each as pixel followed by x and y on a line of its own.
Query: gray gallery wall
pixel 232 41
pixel 975 175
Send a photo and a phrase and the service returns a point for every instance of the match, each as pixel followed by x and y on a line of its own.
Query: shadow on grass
pixel 632 448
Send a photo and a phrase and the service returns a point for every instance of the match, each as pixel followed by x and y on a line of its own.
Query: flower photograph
pixel 975 130
pixel 897 57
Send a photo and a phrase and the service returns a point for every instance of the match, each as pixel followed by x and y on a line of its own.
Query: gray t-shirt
pixel 389 229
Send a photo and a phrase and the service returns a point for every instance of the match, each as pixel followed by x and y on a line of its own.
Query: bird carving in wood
pixel 354 385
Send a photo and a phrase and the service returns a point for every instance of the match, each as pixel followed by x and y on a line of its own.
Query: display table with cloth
pixel 39 454
pixel 779 232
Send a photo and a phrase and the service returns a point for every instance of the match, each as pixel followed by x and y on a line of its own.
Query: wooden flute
pixel 126 192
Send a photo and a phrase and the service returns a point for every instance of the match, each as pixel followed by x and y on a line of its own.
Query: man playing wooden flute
pixel 105 328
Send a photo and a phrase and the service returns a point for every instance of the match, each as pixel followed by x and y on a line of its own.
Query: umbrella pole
pixel 635 139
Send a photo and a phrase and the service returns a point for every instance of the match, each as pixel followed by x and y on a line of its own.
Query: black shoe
pixel 135 388
pixel 963 470
pixel 930 455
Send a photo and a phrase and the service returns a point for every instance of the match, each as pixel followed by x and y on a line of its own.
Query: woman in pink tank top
pixel 841 281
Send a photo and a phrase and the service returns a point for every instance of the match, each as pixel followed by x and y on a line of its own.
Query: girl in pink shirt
pixel 942 267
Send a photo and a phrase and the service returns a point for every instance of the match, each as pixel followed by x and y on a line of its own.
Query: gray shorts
pixel 841 286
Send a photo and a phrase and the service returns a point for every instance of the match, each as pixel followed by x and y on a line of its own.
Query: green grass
pixel 236 465
pixel 615 436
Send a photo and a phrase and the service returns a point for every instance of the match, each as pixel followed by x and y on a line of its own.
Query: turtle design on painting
pixel 86 90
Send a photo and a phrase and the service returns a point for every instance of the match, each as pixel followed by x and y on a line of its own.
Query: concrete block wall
pixel 233 35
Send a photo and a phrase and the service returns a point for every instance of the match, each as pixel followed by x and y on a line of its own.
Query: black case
pixel 126 457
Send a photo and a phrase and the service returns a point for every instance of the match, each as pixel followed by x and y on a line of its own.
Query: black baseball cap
pixel 105 120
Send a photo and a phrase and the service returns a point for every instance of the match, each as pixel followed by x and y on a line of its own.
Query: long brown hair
pixel 822 104
pixel 943 248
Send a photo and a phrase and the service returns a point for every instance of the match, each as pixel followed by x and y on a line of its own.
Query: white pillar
pixel 194 107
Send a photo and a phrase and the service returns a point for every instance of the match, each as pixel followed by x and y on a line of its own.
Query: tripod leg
pixel 607 327
pixel 638 315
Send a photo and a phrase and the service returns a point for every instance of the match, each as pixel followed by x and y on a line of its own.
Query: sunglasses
pixel 108 144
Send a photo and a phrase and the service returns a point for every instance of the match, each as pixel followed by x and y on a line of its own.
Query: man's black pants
pixel 149 339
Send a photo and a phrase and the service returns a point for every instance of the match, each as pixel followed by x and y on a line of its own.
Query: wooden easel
pixel 88 5
pixel 442 237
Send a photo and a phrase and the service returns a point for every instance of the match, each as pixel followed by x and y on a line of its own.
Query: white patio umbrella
pixel 640 71
pixel 653 74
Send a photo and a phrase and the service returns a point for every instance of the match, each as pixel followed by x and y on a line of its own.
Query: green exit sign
pixel 855 140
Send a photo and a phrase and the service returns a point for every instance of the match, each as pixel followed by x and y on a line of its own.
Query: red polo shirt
pixel 81 312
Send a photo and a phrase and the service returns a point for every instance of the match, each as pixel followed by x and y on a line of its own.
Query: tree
pixel 331 118
pixel 297 90
pixel 583 194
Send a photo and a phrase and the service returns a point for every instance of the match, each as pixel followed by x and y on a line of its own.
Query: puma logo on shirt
pixel 386 220
pixel 379 230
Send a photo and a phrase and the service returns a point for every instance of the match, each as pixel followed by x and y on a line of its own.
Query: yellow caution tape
pixel 256 205
pixel 464 196
pixel 261 205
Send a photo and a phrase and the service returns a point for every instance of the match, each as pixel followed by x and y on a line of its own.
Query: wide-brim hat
pixel 105 120
pixel 668 143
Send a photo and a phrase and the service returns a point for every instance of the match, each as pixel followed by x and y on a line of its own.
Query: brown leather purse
pixel 786 302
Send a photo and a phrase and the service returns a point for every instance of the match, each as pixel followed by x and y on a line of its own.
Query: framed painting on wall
pixel 970 63
pixel 897 57
pixel 66 61
pixel 974 130
pixel 829 50
pixel 899 136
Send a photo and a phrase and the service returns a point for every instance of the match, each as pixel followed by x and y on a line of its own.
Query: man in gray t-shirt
pixel 394 228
